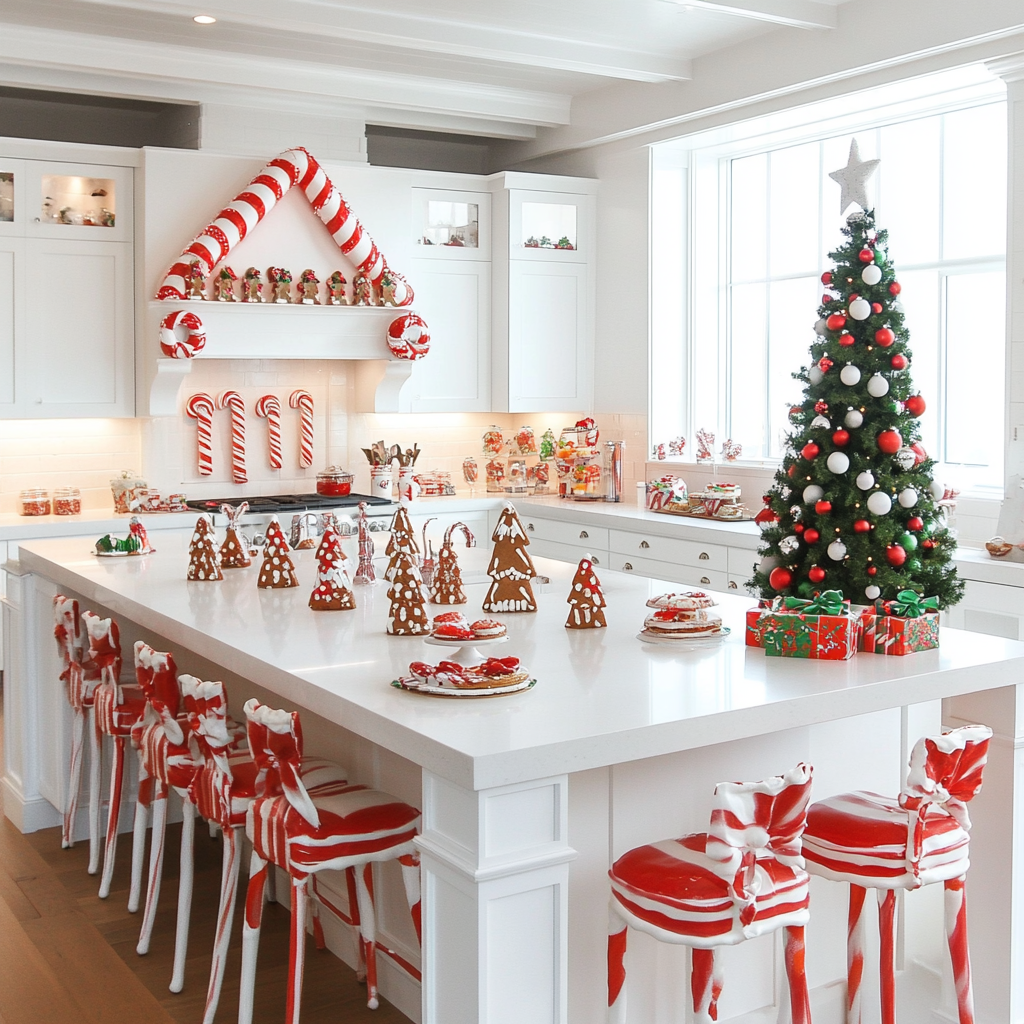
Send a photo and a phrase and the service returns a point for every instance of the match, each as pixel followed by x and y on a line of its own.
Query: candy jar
pixel 67 501
pixel 470 472
pixel 495 470
pixel 34 501
pixel 547 444
pixel 526 442
pixel 494 443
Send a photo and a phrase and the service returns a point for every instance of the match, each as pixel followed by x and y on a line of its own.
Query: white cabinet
pixel 990 608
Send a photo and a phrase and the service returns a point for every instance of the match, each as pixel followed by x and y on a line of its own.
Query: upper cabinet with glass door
pixel 63 200
pixel 451 224
pixel 552 226
pixel 12 194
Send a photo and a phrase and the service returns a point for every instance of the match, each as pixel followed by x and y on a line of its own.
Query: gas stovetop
pixel 271 504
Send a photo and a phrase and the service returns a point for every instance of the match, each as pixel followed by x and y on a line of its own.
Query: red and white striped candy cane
pixel 233 400
pixel 200 408
pixel 303 401
pixel 260 196
pixel 269 408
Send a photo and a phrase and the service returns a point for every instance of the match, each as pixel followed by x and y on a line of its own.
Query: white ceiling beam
pixel 792 13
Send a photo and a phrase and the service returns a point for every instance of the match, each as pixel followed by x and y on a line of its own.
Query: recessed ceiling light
pixel 204 19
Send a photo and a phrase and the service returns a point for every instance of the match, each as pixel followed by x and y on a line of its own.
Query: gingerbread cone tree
pixel 408 615
pixel 510 567
pixel 233 553
pixel 203 560
pixel 333 591
pixel 277 571
pixel 446 587
pixel 586 599
pixel 403 540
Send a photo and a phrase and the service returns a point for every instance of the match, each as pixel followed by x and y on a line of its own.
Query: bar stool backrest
pixel 104 647
pixel 67 631
pixel 157 676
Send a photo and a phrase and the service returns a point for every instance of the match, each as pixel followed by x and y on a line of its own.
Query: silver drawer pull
pixel 584 535
pixel 529 526
pixel 705 581
pixel 703 556
pixel 644 545
pixel 627 566
pixel 732 585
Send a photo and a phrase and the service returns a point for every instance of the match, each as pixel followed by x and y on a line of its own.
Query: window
pixel 757 252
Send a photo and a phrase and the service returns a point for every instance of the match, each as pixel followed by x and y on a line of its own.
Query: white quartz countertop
pixel 602 696
pixel 91 523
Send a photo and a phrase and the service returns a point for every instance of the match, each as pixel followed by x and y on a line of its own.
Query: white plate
pixel 436 641
pixel 685 643
pixel 445 691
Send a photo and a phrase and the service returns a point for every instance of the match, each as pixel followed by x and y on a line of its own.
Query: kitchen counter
pixel 91 522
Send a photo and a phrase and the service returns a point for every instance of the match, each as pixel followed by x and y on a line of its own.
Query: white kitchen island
pixel 528 798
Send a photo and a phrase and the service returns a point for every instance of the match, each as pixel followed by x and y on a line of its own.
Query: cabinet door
pixel 75 355
pixel 12 197
pixel 548 337
pixel 11 256
pixel 78 201
pixel 454 297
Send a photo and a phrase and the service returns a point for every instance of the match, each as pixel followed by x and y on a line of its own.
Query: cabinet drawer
pixel 567 552
pixel 742 562
pixel 669 549
pixel 566 533
pixel 713 579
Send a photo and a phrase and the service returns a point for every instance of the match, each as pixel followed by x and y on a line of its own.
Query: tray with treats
pixel 684 618
pixel 492 678
pixel 719 501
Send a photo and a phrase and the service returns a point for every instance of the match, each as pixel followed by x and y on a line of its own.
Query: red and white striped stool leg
pixel 251 935
pixel 887 953
pixel 617 932
pixel 705 985
pixel 297 950
pixel 113 814
pixel 318 928
pixel 95 753
pixel 185 877
pixel 225 916
pixel 855 955
pixel 67 839
pixel 156 869
pixel 353 909
pixel 143 799
pixel 959 953
pixel 796 975
pixel 368 931
pixel 411 878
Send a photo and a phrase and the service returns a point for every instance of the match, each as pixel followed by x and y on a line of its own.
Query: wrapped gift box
pixel 755 630
pixel 824 628
pixel 904 626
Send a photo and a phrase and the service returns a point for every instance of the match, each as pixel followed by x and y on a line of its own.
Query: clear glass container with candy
pixel 67 501
pixel 35 501
pixel 334 482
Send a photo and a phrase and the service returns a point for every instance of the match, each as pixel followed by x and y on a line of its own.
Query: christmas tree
pixel 203 560
pixel 408 616
pixel 510 567
pixel 586 599
pixel 854 503
pixel 277 570
pixel 403 541
pixel 446 587
pixel 333 590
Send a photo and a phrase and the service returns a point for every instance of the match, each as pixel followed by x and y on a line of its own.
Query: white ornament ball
pixel 837 551
pixel 908 497
pixel 838 462
pixel 865 480
pixel 821 328
pixel 813 493
pixel 936 490
pixel 853 419
pixel 877 386
pixel 879 502
pixel 849 374
pixel 789 545
pixel 860 309
pixel 767 563
pixel 815 375
pixel 905 458
pixel 872 274
pixel 871 592
pixel 820 421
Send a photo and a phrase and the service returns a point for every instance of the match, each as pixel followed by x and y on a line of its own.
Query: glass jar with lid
pixel 35 501
pixel 67 501
pixel 334 482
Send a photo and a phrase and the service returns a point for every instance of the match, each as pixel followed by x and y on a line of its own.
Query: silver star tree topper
pixel 853 179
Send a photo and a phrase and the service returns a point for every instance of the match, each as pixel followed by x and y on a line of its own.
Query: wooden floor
pixel 68 957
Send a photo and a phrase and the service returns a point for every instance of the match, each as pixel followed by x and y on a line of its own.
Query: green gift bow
pixel 912 605
pixel 830 602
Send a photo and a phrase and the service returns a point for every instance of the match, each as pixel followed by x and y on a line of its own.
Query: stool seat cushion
pixel 115 719
pixel 870 840
pixel 672 890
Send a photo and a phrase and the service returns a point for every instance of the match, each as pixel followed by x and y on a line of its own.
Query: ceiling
pixel 473 66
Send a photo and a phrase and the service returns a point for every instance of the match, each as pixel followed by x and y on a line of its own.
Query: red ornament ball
pixel 919 453
pixel 823 507
pixel 779 578
pixel 854 297
pixel 798 527
pixel 811 535
pixel 841 438
pixel 810 451
pixel 791 471
pixel 876 307
pixel 795 411
pixel 846 339
pixel 915 405
pixel 835 322
pixel 928 543
pixel 821 405
pixel 895 288
pixel 884 336
pixel 915 523
pixel 898 361
pixel 889 441
pixel 826 278
pixel 826 299
pixel 815 574
pixel 861 526
pixel 866 255
pixel 895 554
pixel 825 364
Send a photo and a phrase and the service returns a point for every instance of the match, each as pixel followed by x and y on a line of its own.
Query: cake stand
pixel 464 652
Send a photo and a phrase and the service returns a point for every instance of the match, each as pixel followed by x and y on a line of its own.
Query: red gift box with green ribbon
pixel 823 628
pixel 755 630
pixel 906 625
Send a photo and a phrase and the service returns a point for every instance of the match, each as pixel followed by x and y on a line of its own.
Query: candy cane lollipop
pixel 269 408
pixel 470 539
pixel 233 400
pixel 303 401
pixel 200 408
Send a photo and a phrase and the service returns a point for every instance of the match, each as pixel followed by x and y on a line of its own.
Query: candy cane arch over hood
pixel 303 401
pixel 269 408
pixel 260 196
pixel 200 408
pixel 233 400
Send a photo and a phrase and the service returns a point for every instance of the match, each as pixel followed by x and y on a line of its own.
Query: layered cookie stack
pixel 683 617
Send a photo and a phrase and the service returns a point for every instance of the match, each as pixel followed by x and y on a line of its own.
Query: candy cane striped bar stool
pixel 118 708
pixel 743 878
pixel 885 843
pixel 305 830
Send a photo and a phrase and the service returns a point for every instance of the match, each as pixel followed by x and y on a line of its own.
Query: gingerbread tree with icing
pixel 446 587
pixel 203 560
pixel 233 553
pixel 586 599
pixel 408 614
pixel 277 571
pixel 333 590
pixel 403 541
pixel 510 567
